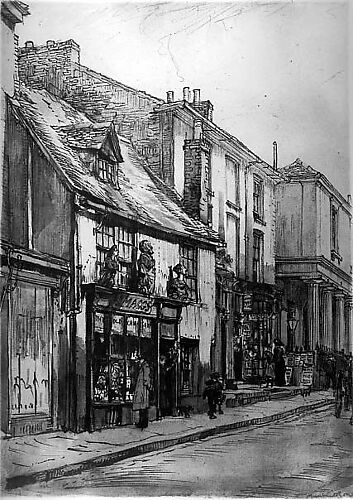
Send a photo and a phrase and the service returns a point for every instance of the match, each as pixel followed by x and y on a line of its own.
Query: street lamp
pixel 292 325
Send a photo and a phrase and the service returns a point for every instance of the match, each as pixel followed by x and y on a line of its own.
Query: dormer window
pixel 106 170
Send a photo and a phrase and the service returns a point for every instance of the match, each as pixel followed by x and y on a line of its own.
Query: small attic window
pixel 106 170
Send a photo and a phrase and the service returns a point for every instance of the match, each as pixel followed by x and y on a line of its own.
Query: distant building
pixel 313 260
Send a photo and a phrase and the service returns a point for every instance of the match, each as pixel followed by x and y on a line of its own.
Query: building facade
pixel 216 178
pixel 107 268
pixel 313 260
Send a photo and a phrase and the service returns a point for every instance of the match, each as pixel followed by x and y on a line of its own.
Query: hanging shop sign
pixel 99 322
pixel 247 303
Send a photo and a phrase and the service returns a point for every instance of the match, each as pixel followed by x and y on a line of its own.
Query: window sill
pixel 236 207
pixel 258 219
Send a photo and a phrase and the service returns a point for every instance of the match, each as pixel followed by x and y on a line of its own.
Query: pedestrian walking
pixel 210 393
pixel 339 394
pixel 269 369
pixel 141 400
pixel 279 363
pixel 219 391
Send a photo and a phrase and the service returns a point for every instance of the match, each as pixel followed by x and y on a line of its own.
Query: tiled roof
pixel 298 168
pixel 139 197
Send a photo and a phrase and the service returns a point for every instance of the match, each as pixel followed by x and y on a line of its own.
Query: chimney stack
pixel 197 96
pixel 198 129
pixel 349 199
pixel 275 156
pixel 170 96
pixel 186 94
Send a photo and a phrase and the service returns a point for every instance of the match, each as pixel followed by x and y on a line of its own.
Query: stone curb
pixel 111 458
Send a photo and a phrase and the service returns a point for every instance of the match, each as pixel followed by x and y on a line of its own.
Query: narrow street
pixel 311 455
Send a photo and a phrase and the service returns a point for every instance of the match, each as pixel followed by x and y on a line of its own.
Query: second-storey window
pixel 232 180
pixel 188 257
pixel 124 239
pixel 258 255
pixel 334 228
pixel 258 198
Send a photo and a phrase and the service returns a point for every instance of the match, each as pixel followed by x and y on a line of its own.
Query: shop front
pixel 122 328
pixel 257 332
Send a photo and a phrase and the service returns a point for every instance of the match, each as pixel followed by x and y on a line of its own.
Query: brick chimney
pixel 197 175
pixel 38 64
pixel 205 108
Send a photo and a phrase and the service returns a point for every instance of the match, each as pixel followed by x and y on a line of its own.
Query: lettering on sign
pixel 138 304
pixel 307 376
pixel 99 322
pixel 247 304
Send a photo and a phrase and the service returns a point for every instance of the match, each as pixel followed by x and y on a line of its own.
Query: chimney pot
pixel 197 96
pixel 186 94
pixel 29 44
pixel 349 199
pixel 275 155
pixel 170 96
pixel 50 43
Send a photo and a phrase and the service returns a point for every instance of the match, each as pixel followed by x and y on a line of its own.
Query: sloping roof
pixel 92 136
pixel 138 197
pixel 298 168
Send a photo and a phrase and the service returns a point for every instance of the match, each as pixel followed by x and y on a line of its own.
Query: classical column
pixel 327 323
pixel 339 333
pixel 313 310
pixel 348 324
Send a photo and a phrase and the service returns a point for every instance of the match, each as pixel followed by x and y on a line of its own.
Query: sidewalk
pixel 42 457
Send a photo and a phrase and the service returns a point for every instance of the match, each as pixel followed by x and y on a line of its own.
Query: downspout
pixel 246 237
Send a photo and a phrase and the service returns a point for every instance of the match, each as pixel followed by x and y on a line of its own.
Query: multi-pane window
pixel 188 257
pixel 258 250
pixel 232 180
pixel 334 228
pixel 124 240
pixel 233 240
pixel 258 198
pixel 107 171
pixel 115 353
pixel 188 354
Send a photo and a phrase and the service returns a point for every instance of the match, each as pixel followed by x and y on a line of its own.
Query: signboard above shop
pixel 134 303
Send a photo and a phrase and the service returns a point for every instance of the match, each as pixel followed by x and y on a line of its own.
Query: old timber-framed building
pixel 124 244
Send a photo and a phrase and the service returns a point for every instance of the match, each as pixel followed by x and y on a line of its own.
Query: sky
pixel 273 70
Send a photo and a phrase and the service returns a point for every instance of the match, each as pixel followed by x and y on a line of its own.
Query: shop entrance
pixel 168 377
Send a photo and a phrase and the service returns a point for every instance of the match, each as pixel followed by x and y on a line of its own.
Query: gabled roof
pixel 298 168
pixel 99 136
pixel 54 123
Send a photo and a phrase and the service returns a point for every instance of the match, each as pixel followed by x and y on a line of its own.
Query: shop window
pixel 115 356
pixel 258 250
pixel 124 239
pixel 258 199
pixel 188 257
pixel 188 353
pixel 232 182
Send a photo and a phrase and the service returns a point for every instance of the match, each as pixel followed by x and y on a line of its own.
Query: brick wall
pixel 56 67
pixel 192 177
